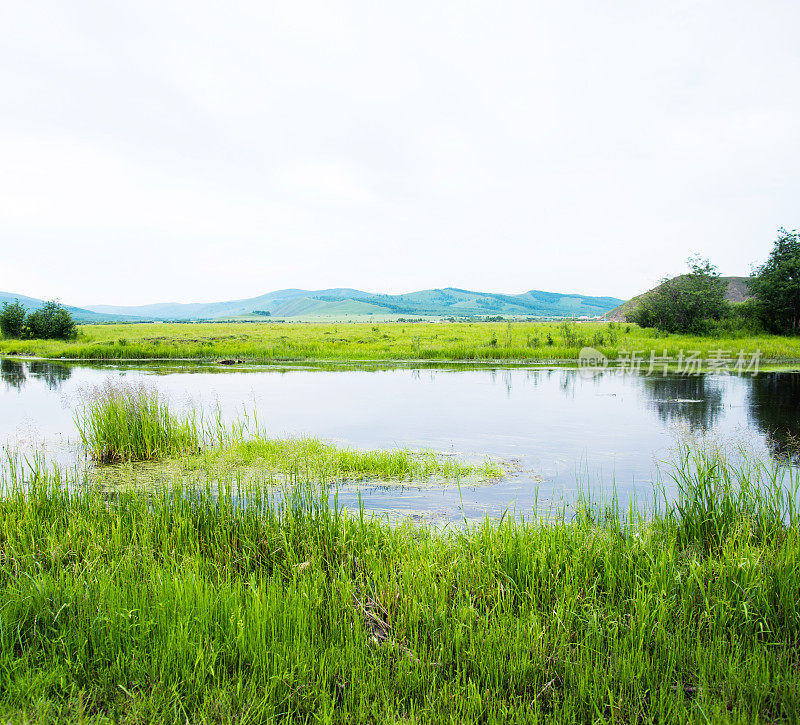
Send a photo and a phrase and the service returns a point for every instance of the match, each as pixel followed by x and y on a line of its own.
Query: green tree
pixel 686 303
pixel 51 322
pixel 776 284
pixel 12 319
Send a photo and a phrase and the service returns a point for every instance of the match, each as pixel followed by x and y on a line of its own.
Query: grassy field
pixel 391 341
pixel 181 605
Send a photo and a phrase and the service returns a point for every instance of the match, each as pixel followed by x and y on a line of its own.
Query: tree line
pixel 52 321
pixel 695 302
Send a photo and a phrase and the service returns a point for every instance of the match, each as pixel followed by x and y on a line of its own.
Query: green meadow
pixel 210 576
pixel 431 341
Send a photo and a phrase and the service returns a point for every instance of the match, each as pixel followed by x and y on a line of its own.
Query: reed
pixel 720 497
pixel 120 423
pixel 223 602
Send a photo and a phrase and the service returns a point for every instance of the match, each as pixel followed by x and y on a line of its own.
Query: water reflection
pixel 15 373
pixel 694 400
pixel 51 374
pixel 774 406
pixel 558 429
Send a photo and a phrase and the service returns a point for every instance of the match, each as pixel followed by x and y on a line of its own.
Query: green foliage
pixel 119 424
pixel 776 285
pixel 569 334
pixel 12 319
pixel 324 462
pixel 719 500
pixel 50 322
pixel 222 603
pixel 686 303
pixel 742 318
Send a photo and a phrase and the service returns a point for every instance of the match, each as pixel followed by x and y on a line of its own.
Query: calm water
pixel 558 429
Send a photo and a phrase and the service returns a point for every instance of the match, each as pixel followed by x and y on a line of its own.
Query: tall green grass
pixel 720 498
pixel 269 342
pixel 218 603
pixel 120 423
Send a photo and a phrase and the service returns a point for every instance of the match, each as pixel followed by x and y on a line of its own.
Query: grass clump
pixel 133 423
pixel 720 499
pixel 184 605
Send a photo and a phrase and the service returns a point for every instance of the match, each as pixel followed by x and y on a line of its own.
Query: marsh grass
pixel 322 461
pixel 124 424
pixel 120 423
pixel 278 461
pixel 184 605
pixel 460 341
pixel 720 498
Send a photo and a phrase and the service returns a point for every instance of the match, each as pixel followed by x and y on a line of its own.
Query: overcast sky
pixel 200 151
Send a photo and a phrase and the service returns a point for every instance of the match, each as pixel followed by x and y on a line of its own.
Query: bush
pixel 51 322
pixel 686 303
pixel 12 319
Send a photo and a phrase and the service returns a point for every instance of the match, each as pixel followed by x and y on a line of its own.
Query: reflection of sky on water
pixel 561 429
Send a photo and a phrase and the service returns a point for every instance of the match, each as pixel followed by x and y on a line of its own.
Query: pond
pixel 559 430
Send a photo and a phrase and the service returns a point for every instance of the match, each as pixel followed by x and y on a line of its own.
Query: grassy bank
pixel 389 341
pixel 180 605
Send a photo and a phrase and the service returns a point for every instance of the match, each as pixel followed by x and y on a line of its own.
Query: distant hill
pixel 738 291
pixel 78 313
pixel 279 303
pixel 341 302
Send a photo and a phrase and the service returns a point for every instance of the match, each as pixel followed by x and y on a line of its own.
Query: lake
pixel 559 430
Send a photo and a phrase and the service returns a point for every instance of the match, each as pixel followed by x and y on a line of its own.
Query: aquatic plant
pixel 119 423
pixel 221 603
pixel 720 498
pixel 123 423
pixel 323 461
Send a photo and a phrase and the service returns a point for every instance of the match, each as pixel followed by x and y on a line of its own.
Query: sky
pixel 203 151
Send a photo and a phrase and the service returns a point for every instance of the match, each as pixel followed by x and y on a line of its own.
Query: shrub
pixel 686 303
pixel 51 322
pixel 12 319
pixel 569 333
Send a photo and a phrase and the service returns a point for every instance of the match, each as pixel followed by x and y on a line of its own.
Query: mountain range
pixel 345 302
